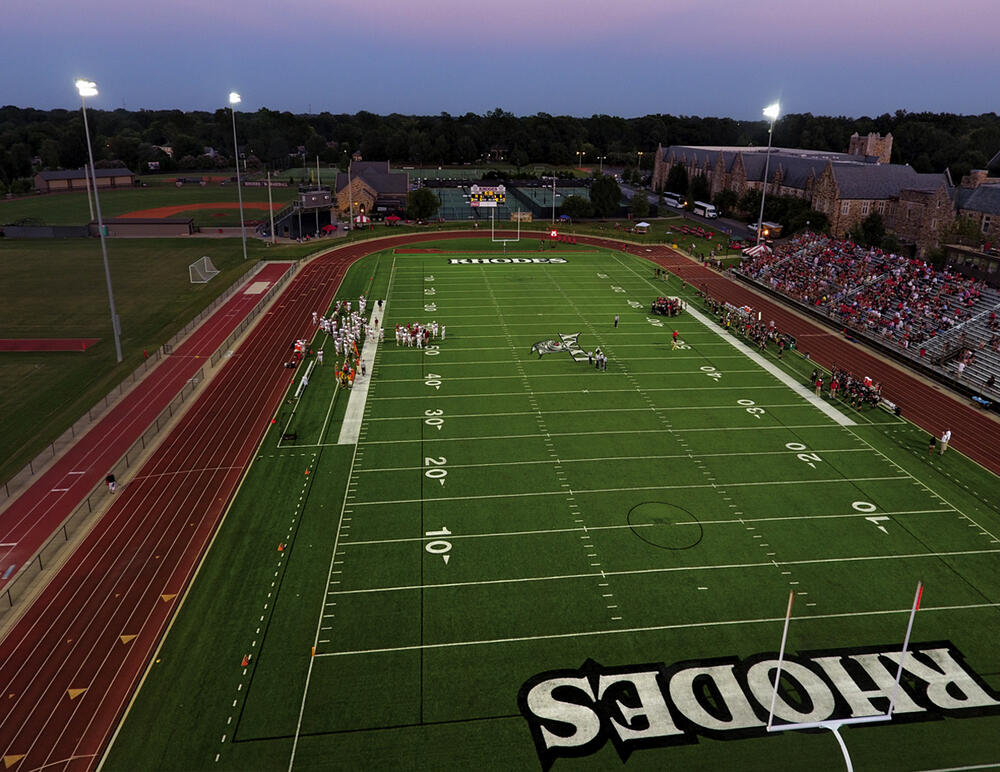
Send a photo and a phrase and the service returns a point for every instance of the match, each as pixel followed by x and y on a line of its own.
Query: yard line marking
pixel 668 569
pixel 784 427
pixel 611 458
pixel 619 490
pixel 681 523
pixel 480 395
pixel 652 628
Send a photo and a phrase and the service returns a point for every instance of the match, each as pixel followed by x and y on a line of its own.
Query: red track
pixel 126 576
pixel 40 509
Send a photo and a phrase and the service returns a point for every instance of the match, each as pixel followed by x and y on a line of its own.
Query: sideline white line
pixel 774 370
pixel 350 429
pixel 658 628
pixel 333 558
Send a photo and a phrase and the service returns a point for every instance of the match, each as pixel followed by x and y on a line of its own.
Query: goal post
pixel 201 270
pixel 834 725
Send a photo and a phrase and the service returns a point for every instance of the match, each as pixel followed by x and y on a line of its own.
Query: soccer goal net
pixel 202 270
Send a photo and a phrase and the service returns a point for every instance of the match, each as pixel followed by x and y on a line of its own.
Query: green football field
pixel 525 561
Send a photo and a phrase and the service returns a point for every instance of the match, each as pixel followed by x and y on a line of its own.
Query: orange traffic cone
pixel 246 660
pixel 281 548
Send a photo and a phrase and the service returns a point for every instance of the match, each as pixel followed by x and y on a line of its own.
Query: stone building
pixel 846 187
pixel 374 189
pixel 977 198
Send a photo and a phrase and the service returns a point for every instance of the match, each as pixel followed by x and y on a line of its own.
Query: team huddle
pixel 348 330
pixel 418 335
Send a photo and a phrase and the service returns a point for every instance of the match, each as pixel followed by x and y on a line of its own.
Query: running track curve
pixel 70 664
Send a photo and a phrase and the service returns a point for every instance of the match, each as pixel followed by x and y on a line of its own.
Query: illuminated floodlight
pixel 234 98
pixel 771 111
pixel 87 88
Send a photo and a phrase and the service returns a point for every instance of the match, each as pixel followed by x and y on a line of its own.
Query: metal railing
pixel 20 585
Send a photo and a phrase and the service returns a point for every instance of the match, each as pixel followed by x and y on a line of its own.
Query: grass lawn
pixel 524 553
pixel 57 289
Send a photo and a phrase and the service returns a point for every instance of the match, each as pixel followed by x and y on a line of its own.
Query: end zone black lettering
pixel 574 712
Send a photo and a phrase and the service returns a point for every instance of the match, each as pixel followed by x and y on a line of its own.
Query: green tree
pixel 422 204
pixel 49 152
pixel 640 205
pixel 749 203
pixel 870 232
pixel 677 180
pixel 577 207
pixel 725 201
pixel 605 195
pixel 699 190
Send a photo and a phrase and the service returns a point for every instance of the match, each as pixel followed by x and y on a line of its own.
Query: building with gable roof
pixel 76 179
pixel 846 187
pixel 373 188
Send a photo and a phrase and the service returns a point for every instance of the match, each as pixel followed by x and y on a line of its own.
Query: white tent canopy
pixel 642 224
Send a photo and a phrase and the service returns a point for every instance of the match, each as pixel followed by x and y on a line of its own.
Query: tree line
pixel 33 140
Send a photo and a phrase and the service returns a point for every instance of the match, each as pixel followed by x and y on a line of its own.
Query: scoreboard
pixel 488 197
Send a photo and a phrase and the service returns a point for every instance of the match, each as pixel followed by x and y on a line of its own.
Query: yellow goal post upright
pixel 834 725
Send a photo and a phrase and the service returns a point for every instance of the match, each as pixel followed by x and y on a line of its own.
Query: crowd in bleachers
pixel 867 289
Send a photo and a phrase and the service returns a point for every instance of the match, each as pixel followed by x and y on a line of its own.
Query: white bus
pixel 674 200
pixel 705 210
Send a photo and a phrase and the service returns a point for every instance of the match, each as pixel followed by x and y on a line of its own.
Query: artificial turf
pixel 647 514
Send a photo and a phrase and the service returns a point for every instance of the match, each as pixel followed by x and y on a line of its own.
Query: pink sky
pixel 581 57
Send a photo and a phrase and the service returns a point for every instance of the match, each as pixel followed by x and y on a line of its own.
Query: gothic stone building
pixel 847 187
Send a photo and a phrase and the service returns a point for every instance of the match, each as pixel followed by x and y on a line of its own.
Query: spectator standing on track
pixel 945 439
pixel 112 482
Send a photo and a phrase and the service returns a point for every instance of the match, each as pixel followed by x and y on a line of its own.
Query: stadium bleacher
pixel 944 319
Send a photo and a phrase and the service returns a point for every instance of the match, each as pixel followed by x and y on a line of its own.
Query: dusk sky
pixel 564 57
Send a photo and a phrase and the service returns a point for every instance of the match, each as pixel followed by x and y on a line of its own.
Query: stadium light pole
pixel 771 111
pixel 234 99
pixel 89 88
